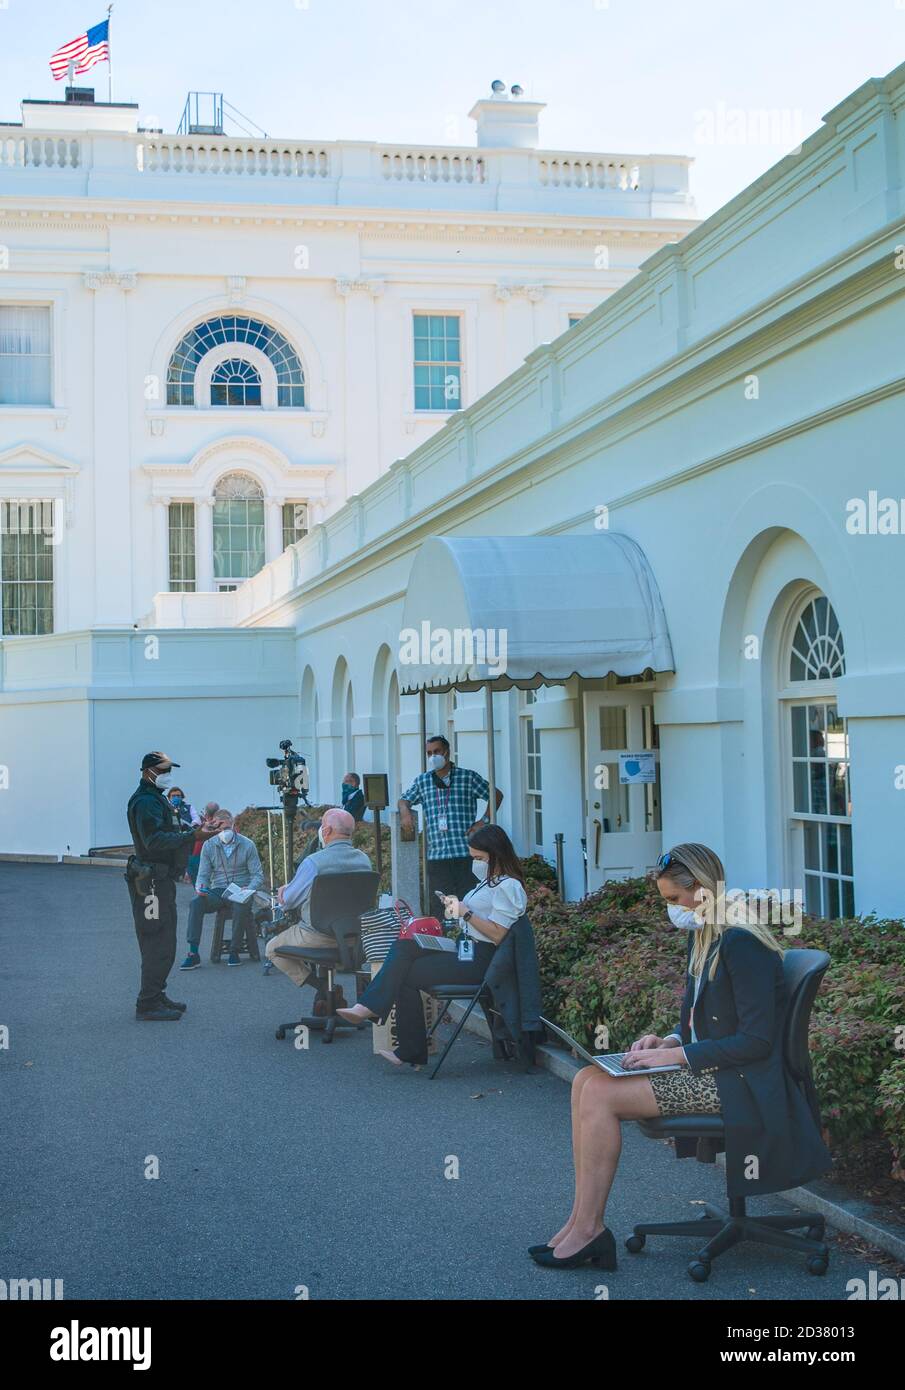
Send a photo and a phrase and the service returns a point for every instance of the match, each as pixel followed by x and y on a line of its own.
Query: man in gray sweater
pixel 336 856
pixel 228 858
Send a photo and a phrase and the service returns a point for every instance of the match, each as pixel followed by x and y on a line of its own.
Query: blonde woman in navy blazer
pixel 729 1047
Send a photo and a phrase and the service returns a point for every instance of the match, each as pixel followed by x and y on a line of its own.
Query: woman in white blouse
pixel 487 912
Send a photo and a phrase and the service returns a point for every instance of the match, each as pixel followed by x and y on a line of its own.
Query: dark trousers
pixel 448 876
pixel 155 927
pixel 212 901
pixel 407 970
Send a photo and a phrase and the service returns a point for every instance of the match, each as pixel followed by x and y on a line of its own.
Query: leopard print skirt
pixel 683 1093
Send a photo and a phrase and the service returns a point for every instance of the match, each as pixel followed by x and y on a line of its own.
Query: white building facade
pixel 727 426
pixel 208 345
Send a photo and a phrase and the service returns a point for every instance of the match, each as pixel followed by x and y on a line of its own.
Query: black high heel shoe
pixel 600 1252
pixel 539 1249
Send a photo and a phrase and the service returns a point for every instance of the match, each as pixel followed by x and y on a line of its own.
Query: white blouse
pixel 502 901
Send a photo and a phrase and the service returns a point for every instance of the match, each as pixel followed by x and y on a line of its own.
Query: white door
pixel 623 812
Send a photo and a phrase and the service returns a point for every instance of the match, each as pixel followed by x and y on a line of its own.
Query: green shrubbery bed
pixel 614 960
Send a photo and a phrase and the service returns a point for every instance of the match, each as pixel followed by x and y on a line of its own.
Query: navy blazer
pixel 773 1137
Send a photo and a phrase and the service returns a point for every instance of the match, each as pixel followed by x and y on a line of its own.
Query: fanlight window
pixel 817 650
pixel 235 383
pixel 234 329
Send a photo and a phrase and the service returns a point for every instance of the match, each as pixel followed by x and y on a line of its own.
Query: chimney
pixel 505 120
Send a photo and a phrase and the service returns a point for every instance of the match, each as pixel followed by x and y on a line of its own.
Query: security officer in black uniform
pixel 162 848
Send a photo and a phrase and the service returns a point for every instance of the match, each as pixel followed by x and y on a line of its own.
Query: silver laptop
pixel 434 943
pixel 610 1061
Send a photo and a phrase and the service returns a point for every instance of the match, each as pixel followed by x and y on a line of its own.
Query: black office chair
pixel 337 904
pixel 803 971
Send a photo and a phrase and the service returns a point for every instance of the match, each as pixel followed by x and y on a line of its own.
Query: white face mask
pixel 227 836
pixel 479 869
pixel 682 917
pixel 435 762
pixel 163 780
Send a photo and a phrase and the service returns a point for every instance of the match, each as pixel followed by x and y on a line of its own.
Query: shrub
pixel 891 1100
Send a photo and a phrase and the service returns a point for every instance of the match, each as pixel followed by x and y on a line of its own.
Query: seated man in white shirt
pixel 336 856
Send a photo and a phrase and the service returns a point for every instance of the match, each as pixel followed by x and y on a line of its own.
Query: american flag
pixel 89 48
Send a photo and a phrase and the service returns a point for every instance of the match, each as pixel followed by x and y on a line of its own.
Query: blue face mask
pixel 176 800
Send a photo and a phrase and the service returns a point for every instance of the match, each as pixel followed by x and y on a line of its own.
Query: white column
pixel 160 574
pixel 273 529
pixel 362 405
pixel 204 544
pixel 112 462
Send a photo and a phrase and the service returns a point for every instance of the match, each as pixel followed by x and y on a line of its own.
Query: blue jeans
pixel 212 901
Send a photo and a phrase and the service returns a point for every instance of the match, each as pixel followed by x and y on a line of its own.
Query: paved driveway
pixel 281 1168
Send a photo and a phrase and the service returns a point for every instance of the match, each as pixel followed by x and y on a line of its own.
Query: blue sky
pixel 618 75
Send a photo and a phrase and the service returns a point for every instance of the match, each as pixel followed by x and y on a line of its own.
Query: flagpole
pixel 110 53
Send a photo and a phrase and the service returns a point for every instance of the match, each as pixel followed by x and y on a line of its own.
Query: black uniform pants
pixel 155 926
pixel 407 971
pixel 449 876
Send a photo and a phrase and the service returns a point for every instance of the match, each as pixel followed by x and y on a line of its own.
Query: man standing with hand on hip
pixel 449 795
pixel 162 848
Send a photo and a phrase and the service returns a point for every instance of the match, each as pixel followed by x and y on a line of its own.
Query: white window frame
pixel 790 694
pixel 532 798
pixel 57 304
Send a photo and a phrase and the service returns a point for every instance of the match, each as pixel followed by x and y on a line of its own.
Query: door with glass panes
pixel 622 810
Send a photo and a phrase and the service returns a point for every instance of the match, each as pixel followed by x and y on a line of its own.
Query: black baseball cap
pixel 157 760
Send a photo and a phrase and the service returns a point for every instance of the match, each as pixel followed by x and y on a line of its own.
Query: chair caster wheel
pixel 635 1243
pixel 280 1034
pixel 699 1271
pixel 818 1264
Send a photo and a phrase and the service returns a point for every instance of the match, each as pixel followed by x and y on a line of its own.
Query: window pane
pixel 613 726
pixel 831 886
pixel 25 359
pixel 799 731
pixel 818 789
pixel 811 845
pixel 800 798
pixel 830 849
pixel 812 896
pixel 845 848
pixel 848 899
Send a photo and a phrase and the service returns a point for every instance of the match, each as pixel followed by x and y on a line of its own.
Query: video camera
pixel 289 774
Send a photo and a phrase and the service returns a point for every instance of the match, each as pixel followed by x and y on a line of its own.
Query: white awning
pixel 529 610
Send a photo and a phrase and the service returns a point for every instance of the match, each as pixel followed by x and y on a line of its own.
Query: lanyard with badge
pixel 443 813
pixel 465 943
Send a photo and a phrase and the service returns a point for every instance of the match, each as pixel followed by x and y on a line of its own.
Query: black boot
pixel 173 1004
pixel 158 1013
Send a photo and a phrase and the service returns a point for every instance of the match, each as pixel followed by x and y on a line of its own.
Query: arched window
pixel 817 650
pixel 820 770
pixel 235 330
pixel 235 382
pixel 238 530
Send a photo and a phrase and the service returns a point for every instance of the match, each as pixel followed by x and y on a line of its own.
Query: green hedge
pixel 614 961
